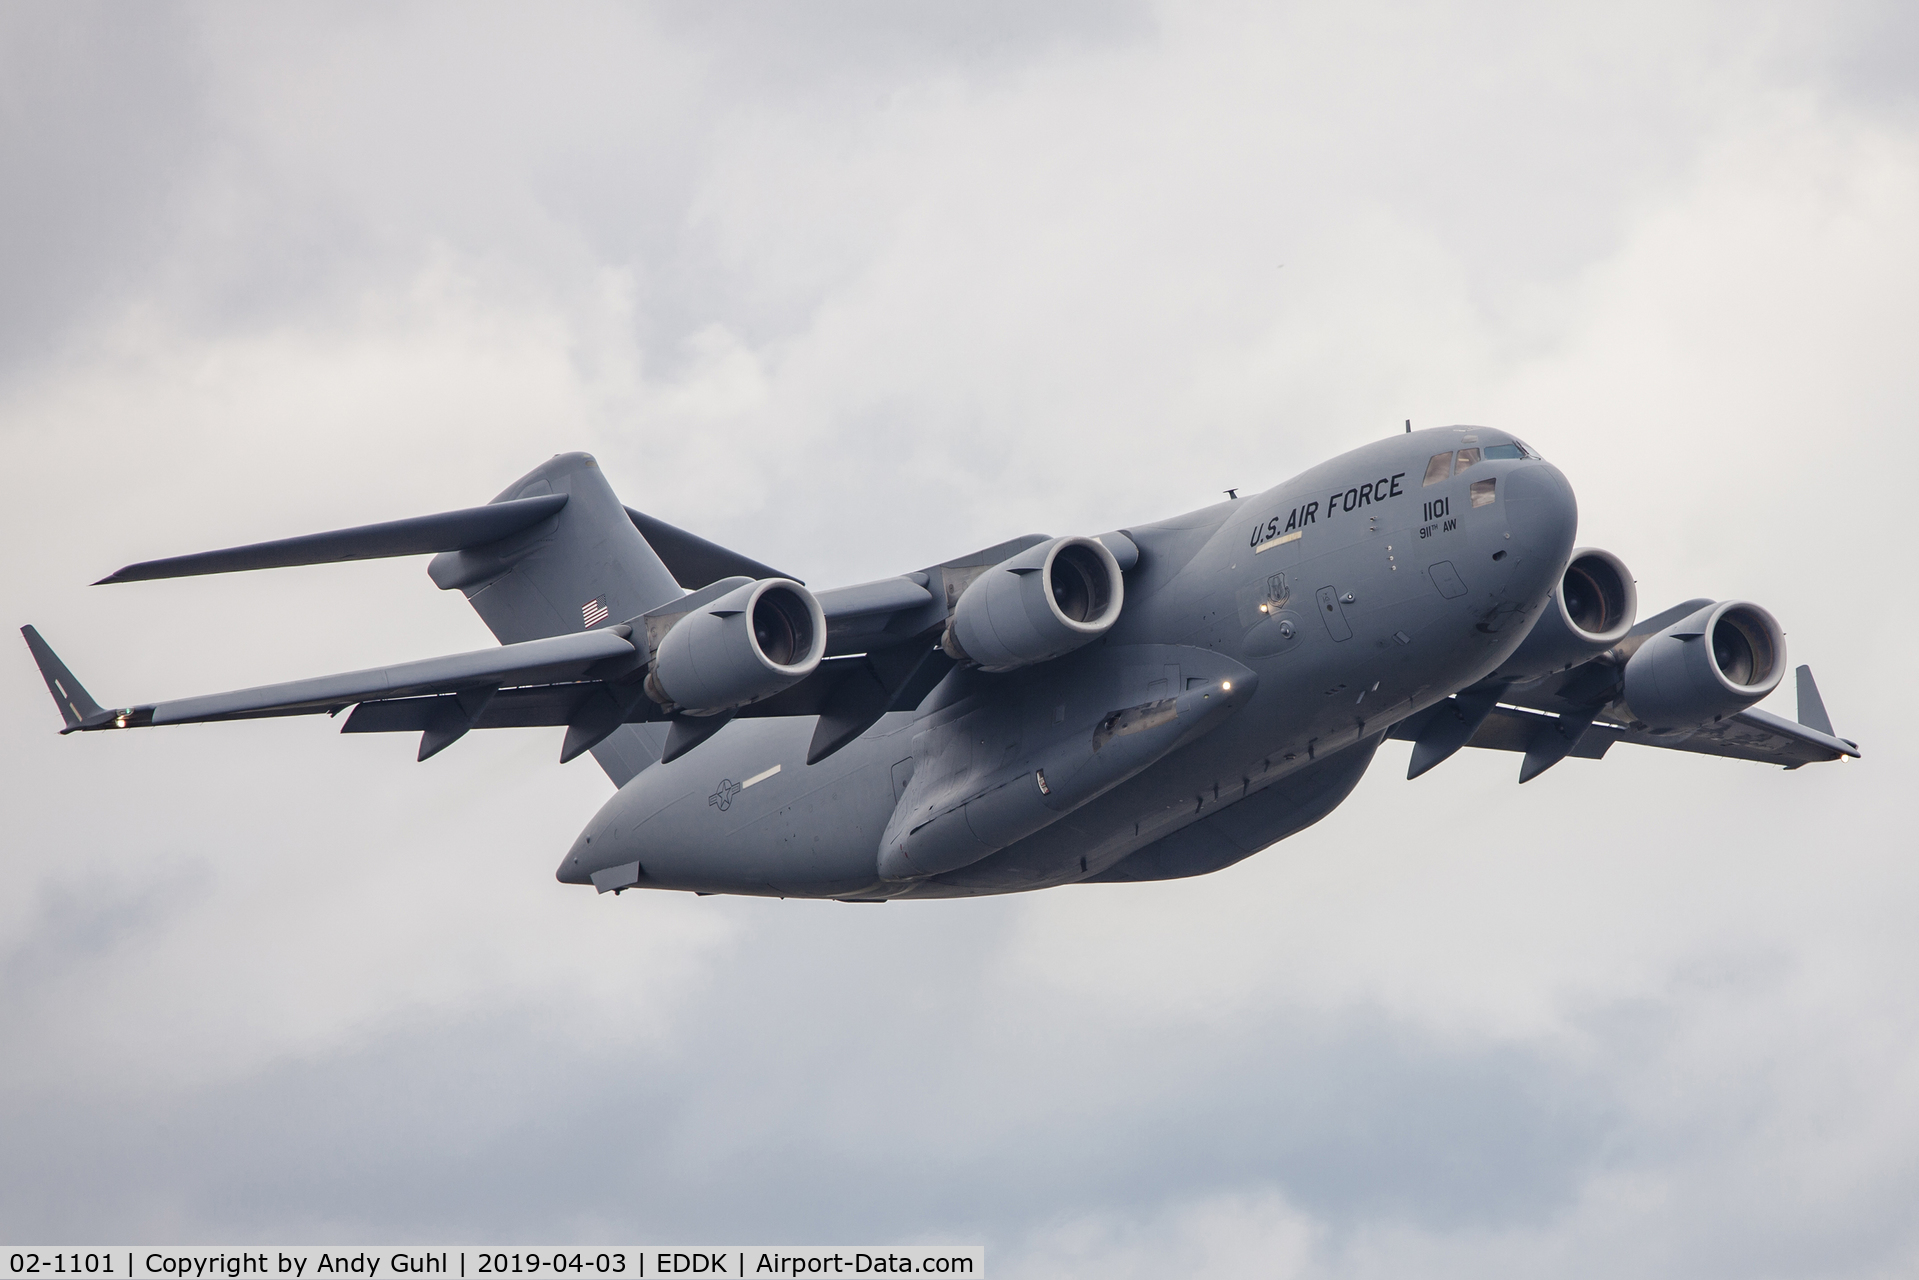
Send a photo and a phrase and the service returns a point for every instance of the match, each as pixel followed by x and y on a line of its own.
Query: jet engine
pixel 1048 600
pixel 1589 612
pixel 1709 664
pixel 746 645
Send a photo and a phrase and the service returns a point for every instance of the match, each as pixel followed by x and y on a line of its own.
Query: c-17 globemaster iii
pixel 1156 702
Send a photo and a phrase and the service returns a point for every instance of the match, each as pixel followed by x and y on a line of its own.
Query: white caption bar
pixel 472 1262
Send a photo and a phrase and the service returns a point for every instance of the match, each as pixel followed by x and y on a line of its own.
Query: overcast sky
pixel 855 288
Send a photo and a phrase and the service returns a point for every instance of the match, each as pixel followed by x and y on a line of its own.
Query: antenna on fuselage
pixel 1409 426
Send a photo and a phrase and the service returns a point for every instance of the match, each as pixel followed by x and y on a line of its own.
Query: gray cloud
pixel 104 132
pixel 942 1106
pixel 855 289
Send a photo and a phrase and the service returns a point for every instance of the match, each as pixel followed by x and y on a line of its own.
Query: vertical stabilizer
pixel 583 568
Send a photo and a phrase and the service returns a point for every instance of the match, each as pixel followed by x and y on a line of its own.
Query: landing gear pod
pixel 1591 610
pixel 1705 667
pixel 1048 600
pixel 746 645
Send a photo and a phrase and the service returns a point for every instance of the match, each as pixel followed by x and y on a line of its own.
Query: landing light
pixel 1227 685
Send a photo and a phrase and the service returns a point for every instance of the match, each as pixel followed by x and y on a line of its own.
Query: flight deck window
pixel 1483 492
pixel 1503 451
pixel 1440 467
pixel 1467 457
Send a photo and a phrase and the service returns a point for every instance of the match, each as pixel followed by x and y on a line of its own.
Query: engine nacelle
pixel 1707 665
pixel 1048 600
pixel 1590 611
pixel 746 645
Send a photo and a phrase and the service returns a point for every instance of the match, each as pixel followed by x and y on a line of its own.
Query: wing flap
pixel 1758 735
pixel 1512 729
pixel 530 707
pixel 1750 735
pixel 532 662
pixel 1508 728
pixel 533 706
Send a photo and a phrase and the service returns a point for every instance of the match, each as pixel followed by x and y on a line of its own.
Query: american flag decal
pixel 594 612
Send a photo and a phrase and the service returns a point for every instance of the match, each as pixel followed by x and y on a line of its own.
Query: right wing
pixel 1751 734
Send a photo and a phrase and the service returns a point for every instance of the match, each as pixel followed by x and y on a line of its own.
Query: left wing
pixel 1714 660
pixel 1486 718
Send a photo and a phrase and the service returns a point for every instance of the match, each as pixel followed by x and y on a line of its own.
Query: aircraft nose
pixel 1541 513
pixel 573 867
pixel 605 854
pixel 594 849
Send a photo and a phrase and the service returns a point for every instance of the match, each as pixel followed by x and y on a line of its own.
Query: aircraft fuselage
pixel 1301 623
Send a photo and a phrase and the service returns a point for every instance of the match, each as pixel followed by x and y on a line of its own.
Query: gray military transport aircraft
pixel 1156 702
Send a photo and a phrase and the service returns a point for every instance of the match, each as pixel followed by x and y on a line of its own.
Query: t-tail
pixel 555 555
pixel 584 566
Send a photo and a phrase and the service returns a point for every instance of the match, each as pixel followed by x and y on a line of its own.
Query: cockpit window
pixel 1503 451
pixel 1440 467
pixel 1483 491
pixel 1466 458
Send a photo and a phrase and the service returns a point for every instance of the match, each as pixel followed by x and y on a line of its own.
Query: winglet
pixel 77 706
pixel 1812 708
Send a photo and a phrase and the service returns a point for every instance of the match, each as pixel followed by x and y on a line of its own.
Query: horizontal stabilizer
pixel 421 535
pixel 77 707
pixel 692 560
